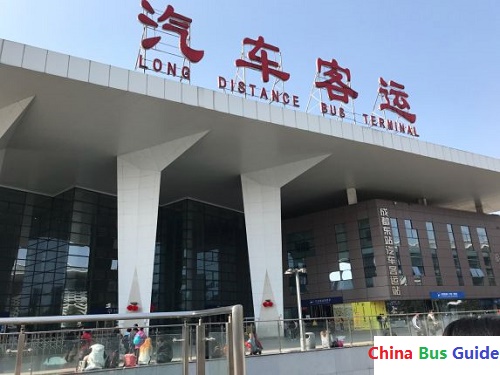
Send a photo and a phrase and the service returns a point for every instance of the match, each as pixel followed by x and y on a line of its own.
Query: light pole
pixel 296 271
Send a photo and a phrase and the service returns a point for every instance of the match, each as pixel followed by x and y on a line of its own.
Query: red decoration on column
pixel 133 306
pixel 268 303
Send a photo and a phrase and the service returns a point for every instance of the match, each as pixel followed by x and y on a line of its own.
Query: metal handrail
pixel 236 356
pixel 111 317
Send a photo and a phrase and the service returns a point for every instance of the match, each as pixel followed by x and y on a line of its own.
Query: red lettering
pixel 401 127
pixel 172 69
pixel 374 120
pixel 252 89
pixel 241 87
pixel 390 125
pixel 222 82
pixel 381 122
pixel 141 63
pixel 274 95
pixel 324 108
pixel 263 94
pixel 371 352
pixel 157 65
pixel 186 72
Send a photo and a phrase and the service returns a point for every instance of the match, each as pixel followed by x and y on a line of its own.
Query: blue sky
pixel 445 52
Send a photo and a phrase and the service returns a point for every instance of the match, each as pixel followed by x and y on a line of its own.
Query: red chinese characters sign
pixel 337 84
pixel 395 99
pixel 336 80
pixel 266 59
pixel 173 22
pixel 259 59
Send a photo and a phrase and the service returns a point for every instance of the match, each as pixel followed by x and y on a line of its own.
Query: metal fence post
pixel 185 348
pixel 200 348
pixel 20 349
pixel 229 346
pixel 238 340
pixel 280 330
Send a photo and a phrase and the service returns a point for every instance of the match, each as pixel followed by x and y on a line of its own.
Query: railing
pixel 209 338
pixel 347 331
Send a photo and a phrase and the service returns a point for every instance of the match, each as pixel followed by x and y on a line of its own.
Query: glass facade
pixel 342 279
pixel 472 257
pixel 366 244
pixel 484 245
pixel 201 258
pixel 397 246
pixel 60 255
pixel 299 246
pixel 417 263
pixel 431 236
pixel 456 259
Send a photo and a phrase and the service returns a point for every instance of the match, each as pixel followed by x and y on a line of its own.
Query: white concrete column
pixel 352 197
pixel 9 118
pixel 262 205
pixel 139 175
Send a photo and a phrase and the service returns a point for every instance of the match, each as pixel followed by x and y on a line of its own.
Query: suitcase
pixel 130 360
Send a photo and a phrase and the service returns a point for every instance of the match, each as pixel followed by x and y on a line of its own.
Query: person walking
pixel 381 322
pixel 85 342
pixel 70 346
pixel 131 336
pixel 415 322
pixel 432 323
pixel 164 351
pixel 139 338
pixel 126 341
pixel 253 344
pixel 325 339
pixel 145 352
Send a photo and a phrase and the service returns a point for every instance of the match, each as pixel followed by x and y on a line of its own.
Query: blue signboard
pixel 322 301
pixel 447 295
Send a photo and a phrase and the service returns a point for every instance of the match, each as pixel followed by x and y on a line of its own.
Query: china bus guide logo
pixel 332 93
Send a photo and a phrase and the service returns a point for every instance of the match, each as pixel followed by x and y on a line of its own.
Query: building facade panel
pixel 425 259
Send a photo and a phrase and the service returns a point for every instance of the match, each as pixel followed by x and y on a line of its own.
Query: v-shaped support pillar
pixel 262 205
pixel 139 175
